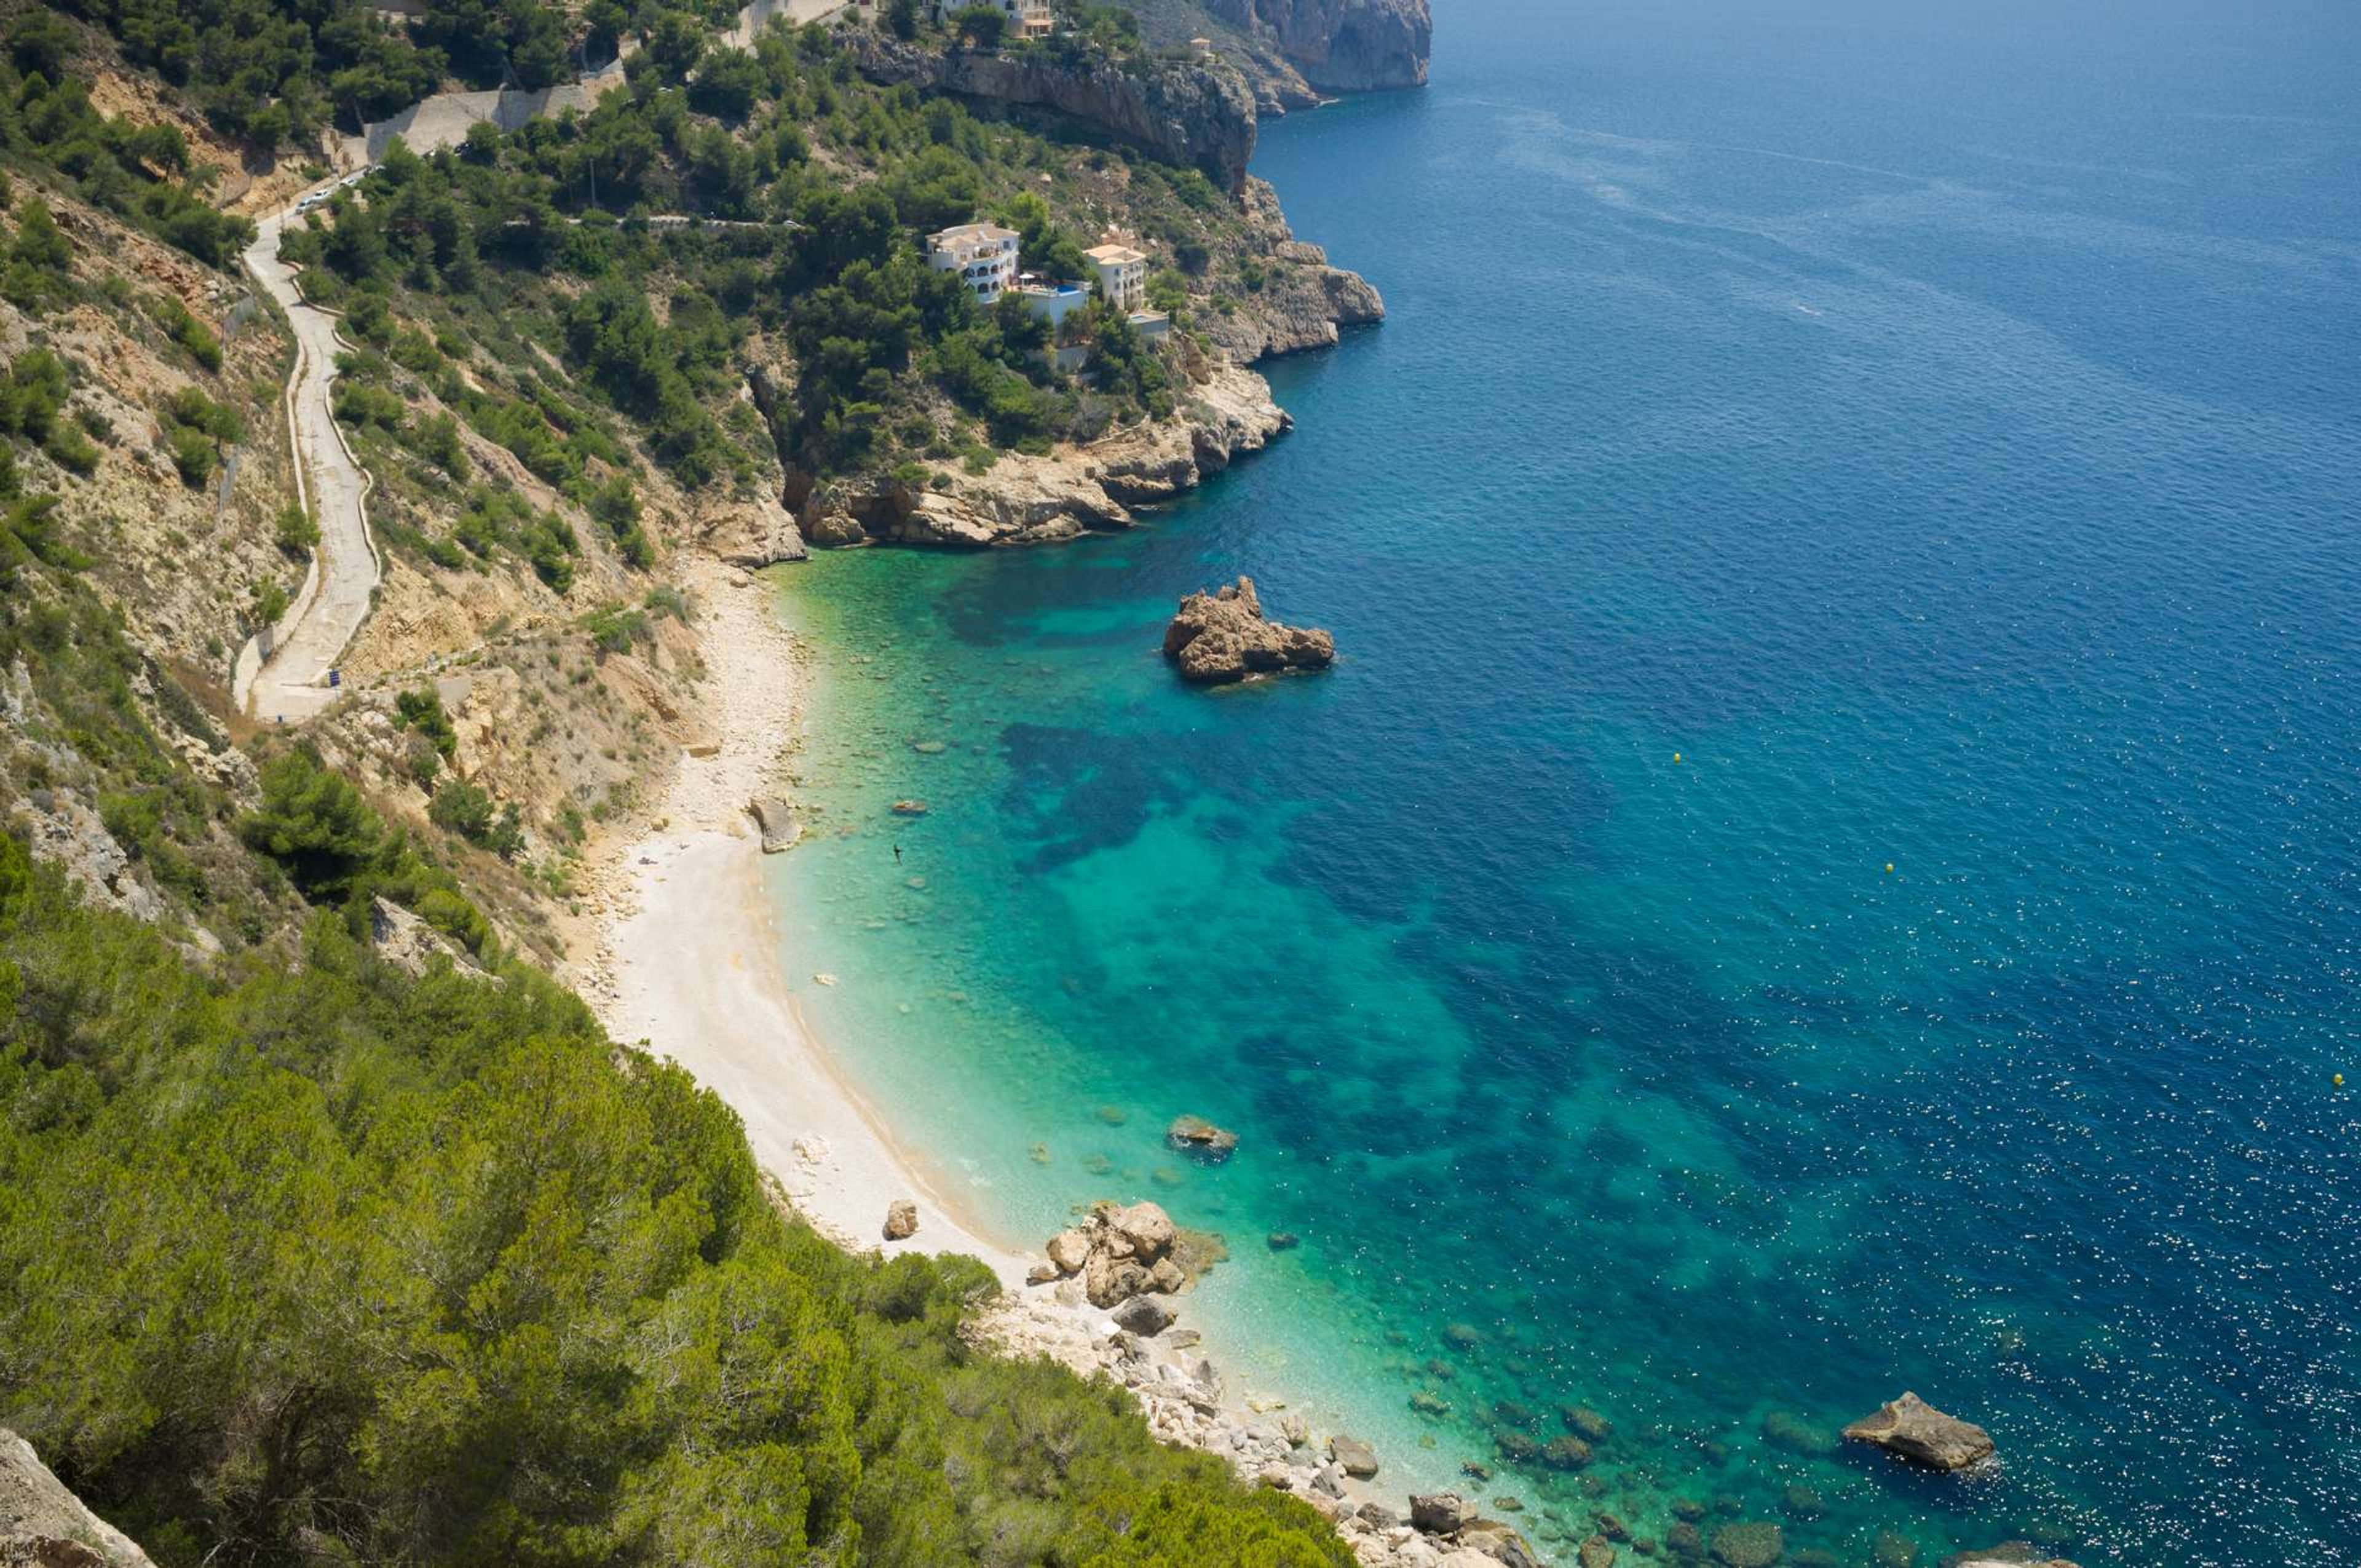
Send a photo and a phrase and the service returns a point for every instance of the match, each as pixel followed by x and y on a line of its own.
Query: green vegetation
pixel 138 173
pixel 316 1257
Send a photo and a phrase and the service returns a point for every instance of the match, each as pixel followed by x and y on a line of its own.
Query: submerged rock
pixel 1222 637
pixel 1911 1428
pixel 1749 1545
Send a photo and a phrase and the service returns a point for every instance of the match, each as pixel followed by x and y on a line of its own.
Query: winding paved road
pixel 282 677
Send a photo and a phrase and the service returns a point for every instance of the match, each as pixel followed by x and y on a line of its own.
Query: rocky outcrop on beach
pixel 777 822
pixel 44 1525
pixel 1342 46
pixel 1909 1428
pixel 1222 637
pixel 1116 1254
pixel 901 1220
pixel 1074 490
pixel 1196 112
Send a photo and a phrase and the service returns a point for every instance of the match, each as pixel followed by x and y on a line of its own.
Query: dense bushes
pixel 316 1259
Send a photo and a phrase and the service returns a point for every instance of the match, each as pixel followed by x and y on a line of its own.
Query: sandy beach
pixel 684 952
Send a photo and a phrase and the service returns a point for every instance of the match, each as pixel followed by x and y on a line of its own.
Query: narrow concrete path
pixel 282 675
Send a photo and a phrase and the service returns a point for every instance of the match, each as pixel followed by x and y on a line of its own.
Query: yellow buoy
pixel 1676 757
pixel 1889 868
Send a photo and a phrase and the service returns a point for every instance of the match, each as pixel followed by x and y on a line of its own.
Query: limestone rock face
pixel 1199 113
pixel 1911 1428
pixel 752 534
pixel 411 946
pixel 43 1524
pixel 1222 637
pixel 901 1220
pixel 1342 46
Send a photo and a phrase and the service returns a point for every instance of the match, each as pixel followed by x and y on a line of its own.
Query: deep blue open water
pixel 1808 439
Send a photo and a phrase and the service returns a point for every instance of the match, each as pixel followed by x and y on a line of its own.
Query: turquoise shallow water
pixel 1945 435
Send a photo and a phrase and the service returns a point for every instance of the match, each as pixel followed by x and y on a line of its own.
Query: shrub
pixel 295 532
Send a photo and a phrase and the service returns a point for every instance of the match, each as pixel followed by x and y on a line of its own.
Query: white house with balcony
pixel 983 255
pixel 1027 18
pixel 1122 275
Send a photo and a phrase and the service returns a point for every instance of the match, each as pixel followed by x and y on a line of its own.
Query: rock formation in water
pixel 1911 1428
pixel 1195 1135
pixel 1222 637
pixel 44 1525
pixel 1342 46
pixel 1200 113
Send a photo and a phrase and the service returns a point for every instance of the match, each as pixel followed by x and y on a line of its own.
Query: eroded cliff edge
pixel 1341 46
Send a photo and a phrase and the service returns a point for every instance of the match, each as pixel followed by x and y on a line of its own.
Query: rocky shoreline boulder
pixel 1117 1254
pixel 1909 1428
pixel 1222 637
pixel 776 819
pixel 901 1220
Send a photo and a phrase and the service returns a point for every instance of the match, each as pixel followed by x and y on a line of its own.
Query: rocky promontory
pixel 1341 46
pixel 1221 638
pixel 1071 491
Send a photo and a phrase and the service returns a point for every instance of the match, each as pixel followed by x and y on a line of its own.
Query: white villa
pixel 983 254
pixel 1050 298
pixel 1122 275
pixel 1027 18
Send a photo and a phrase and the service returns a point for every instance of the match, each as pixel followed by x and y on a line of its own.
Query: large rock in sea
pixel 1222 637
pixel 2007 1554
pixel 1356 1458
pixel 1911 1428
pixel 1195 1135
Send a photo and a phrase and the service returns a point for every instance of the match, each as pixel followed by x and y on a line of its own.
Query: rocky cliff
pixel 1342 45
pixel 1197 114
pixel 1075 489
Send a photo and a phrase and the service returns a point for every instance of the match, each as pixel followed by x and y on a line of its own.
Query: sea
pixel 1830 862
